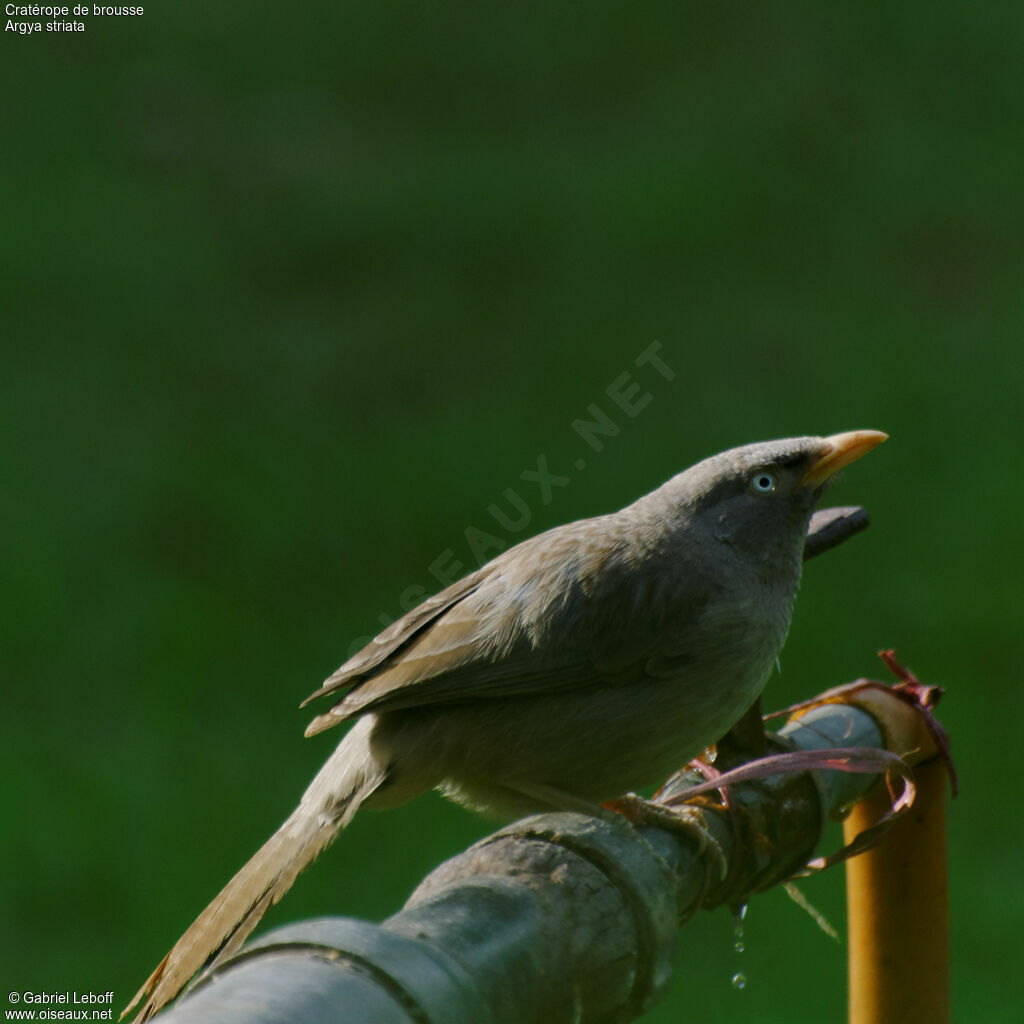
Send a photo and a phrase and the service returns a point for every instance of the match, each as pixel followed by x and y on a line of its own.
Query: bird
pixel 587 661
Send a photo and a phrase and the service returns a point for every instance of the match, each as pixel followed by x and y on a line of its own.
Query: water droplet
pixel 739 979
pixel 737 932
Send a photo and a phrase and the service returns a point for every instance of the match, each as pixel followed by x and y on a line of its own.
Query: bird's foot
pixel 686 819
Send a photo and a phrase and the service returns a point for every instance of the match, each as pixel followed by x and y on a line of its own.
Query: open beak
pixel 840 450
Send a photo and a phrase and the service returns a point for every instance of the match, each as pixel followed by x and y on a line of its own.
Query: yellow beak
pixel 840 450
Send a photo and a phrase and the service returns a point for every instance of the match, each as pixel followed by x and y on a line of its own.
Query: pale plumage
pixel 584 662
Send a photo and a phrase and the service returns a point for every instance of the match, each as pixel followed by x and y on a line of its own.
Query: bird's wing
pixel 387 644
pixel 488 639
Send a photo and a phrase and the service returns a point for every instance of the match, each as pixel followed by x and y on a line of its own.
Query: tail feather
pixel 224 925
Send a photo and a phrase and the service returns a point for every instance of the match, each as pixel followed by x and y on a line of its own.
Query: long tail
pixel 332 799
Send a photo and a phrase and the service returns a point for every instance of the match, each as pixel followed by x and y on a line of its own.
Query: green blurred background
pixel 292 295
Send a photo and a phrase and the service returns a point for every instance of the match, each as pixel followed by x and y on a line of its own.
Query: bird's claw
pixel 685 819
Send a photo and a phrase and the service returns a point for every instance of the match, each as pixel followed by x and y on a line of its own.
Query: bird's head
pixel 758 499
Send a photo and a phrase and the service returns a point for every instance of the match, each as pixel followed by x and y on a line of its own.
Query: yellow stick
pixel 898 909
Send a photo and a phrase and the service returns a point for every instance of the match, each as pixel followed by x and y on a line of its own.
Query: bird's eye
pixel 763 483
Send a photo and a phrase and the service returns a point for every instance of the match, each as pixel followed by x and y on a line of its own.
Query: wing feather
pixel 400 633
pixel 482 636
pixel 488 636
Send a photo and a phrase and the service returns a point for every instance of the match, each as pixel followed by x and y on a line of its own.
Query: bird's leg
pixel 744 741
pixel 640 813
pixel 686 819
